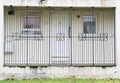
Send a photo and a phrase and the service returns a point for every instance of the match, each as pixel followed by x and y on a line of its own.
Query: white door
pixel 60 40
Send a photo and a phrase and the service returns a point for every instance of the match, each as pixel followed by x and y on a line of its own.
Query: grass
pixel 61 81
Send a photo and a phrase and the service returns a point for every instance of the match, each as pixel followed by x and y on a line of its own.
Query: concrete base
pixel 59 72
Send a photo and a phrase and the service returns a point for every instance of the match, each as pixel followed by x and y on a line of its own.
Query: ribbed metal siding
pixel 63 42
pixel 26 51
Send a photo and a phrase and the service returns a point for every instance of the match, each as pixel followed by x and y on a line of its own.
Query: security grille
pixel 60 37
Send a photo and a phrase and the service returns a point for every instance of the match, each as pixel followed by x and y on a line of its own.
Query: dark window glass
pixel 31 25
pixel 89 24
pixel 31 21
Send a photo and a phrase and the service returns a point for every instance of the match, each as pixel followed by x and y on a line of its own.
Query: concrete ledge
pixel 63 3
pixel 61 72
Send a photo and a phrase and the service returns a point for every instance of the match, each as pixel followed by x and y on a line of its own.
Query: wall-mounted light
pixel 11 11
pixel 78 16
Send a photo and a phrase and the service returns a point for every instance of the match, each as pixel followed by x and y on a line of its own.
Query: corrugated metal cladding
pixel 59 37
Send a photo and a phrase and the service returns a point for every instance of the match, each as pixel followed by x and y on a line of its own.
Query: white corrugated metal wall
pixel 57 47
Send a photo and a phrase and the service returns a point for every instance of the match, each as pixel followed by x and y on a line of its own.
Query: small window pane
pixel 31 21
pixel 31 25
pixel 89 24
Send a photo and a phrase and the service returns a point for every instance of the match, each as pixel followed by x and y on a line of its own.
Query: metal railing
pixel 60 37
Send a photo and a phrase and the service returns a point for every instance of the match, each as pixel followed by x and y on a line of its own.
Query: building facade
pixel 49 38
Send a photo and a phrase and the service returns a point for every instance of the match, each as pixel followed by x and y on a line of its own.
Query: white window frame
pixel 90 21
pixel 31 30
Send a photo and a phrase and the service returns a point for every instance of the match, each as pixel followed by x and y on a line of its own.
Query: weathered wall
pixel 63 3
pixel 1 34
pixel 60 72
pixel 95 72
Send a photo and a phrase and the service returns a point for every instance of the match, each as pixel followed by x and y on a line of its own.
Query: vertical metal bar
pixel 4 34
pixel 114 36
pixel 82 50
pixel 27 34
pixel 49 33
pixel 93 37
pixel 6 25
pixel 103 33
pixel 71 33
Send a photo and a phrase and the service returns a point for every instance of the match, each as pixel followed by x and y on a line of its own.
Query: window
pixel 31 21
pixel 89 24
pixel 31 26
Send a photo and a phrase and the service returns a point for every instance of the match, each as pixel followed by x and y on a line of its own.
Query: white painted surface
pixel 62 25
pixel 85 72
pixel 60 49
pixel 87 51
pixel 37 48
pixel 1 34
pixel 117 16
pixel 63 3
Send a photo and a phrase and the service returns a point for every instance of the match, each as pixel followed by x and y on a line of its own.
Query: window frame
pixel 32 30
pixel 95 24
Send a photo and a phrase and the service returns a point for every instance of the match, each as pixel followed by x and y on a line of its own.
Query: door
pixel 60 40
